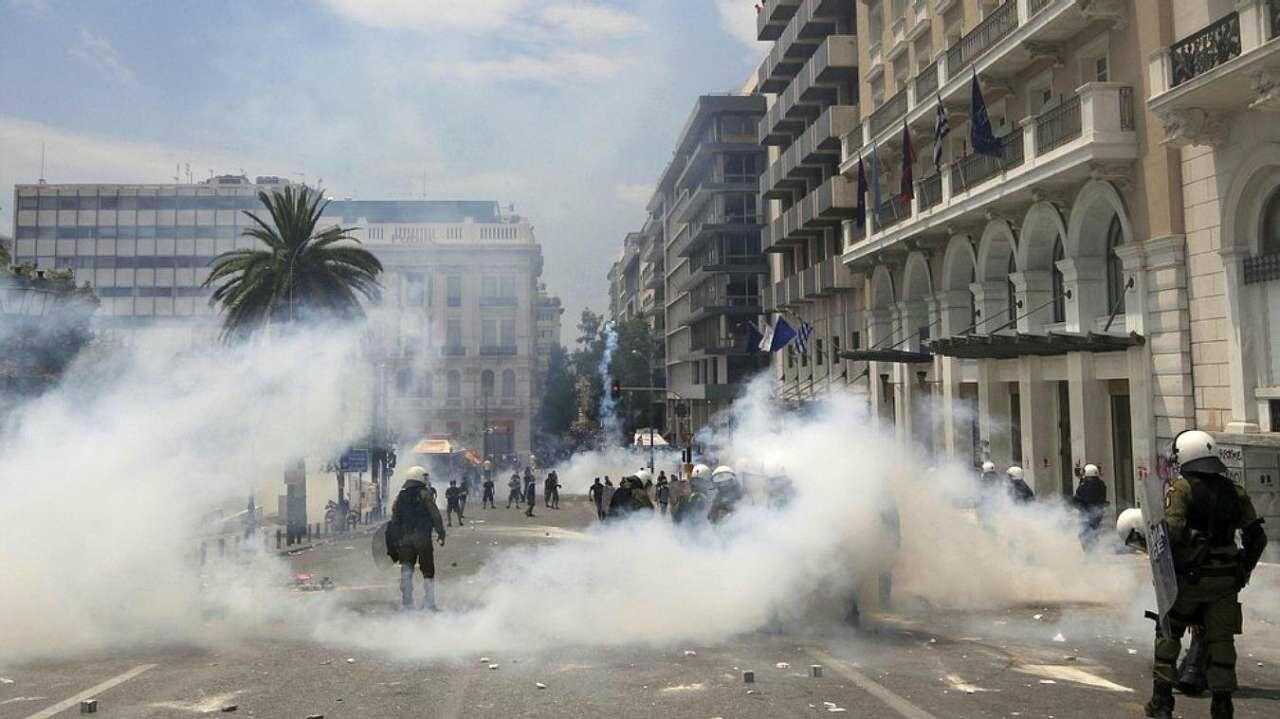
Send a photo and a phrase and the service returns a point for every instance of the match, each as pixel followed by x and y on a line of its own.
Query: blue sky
pixel 567 108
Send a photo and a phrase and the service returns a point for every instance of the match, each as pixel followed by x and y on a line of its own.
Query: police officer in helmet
pixel 1203 510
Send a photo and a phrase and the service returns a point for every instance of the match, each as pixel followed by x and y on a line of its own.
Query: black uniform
pixel 487 499
pixel 596 492
pixel 453 503
pixel 1090 500
pixel 414 516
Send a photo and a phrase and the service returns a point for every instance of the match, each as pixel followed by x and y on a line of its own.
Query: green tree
pixel 636 355
pixel 559 406
pixel 300 273
pixel 585 360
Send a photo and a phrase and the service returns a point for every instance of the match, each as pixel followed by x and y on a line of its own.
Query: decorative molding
pixel 1111 11
pixel 1051 51
pixel 1059 198
pixel 1194 126
pixel 1119 174
pixel 1266 85
pixel 995 86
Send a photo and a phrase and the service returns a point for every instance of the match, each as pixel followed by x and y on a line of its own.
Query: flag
pixel 780 336
pixel 754 339
pixel 860 212
pixel 802 337
pixel 907 187
pixel 941 129
pixel 875 184
pixel 980 135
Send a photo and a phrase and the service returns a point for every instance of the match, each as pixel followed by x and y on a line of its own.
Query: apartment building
pixel 1213 91
pixel 811 76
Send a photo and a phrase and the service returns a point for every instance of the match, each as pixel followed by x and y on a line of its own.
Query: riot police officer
pixel 1203 510
pixel 1090 499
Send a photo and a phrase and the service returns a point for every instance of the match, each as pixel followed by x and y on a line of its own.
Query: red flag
pixel 907 190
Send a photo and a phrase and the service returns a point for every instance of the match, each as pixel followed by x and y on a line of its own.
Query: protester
pixel 596 492
pixel 486 500
pixel 414 516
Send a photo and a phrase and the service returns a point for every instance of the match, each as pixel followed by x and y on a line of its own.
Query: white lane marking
pixel 91 692
pixel 206 705
pixel 1071 674
pixel 15 700
pixel 959 684
pixel 695 687
pixel 903 707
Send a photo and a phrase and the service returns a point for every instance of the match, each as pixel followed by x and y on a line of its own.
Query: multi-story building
pixel 703 234
pixel 1213 86
pixel 811 74
pixel 464 318
pixel 625 292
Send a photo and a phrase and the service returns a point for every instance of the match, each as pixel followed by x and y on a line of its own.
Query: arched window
pixel 455 384
pixel 486 383
pixel 404 380
pixel 1269 243
pixel 973 302
pixel 427 385
pixel 1115 268
pixel 508 384
pixel 1012 292
pixel 1059 283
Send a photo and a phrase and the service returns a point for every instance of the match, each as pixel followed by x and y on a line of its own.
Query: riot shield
pixel 379 548
pixel 1159 551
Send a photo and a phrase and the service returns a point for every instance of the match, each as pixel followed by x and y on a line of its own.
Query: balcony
pixel 453 351
pixel 498 302
pixel 809 283
pixel 772 19
pixel 927 81
pixel 1063 144
pixel 832 277
pixel 834 62
pixel 781 299
pixel 835 200
pixel 889 113
pixel 498 350
pixel 1002 21
pixel 819 146
pixel 1216 70
pixel 721 346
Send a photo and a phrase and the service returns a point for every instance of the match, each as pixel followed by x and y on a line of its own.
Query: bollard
pixel 222 546
pixel 279 536
pixel 815 671
pixel 89 706
pixel 748 677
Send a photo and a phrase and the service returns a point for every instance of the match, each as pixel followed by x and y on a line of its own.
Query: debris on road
pixel 1047 681
pixel 484 660
pixel 351 660
pixel 493 666
pixel 1133 651
pixel 229 708
pixel 834 708
pixel 89 706
pixel 815 671
pixel 1037 617
pixel 690 653
pixel 782 665
pixel 5 680
pixel 540 685
pixel 1059 638
pixel 748 677
pixel 315 716
pixel 304 582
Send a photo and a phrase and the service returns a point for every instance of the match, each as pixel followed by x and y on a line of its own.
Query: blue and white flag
pixel 777 336
pixel 754 339
pixel 941 128
pixel 802 337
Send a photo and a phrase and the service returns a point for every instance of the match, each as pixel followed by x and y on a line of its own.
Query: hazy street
pixel 919 663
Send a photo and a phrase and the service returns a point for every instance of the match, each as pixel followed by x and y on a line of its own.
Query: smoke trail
pixel 611 429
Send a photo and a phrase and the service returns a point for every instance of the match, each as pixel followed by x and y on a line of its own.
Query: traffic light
pixel 615 390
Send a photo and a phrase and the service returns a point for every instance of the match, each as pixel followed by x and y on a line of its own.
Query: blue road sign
pixel 355 460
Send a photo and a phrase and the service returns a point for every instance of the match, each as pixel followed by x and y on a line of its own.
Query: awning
pixel 1021 345
pixel 435 446
pixel 898 356
pixel 642 438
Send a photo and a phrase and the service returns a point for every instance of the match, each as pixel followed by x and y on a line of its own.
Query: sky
pixel 567 108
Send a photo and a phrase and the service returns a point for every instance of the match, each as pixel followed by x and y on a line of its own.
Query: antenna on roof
pixel 42 162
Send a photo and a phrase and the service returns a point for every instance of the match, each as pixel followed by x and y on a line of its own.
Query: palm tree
pixel 322 273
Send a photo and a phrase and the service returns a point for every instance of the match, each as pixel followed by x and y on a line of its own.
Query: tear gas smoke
pixel 578 471
pixel 135 448
pixel 611 429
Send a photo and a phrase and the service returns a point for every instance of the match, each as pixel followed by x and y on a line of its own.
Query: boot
pixel 1221 706
pixel 1161 704
pixel 406 586
pixel 429 594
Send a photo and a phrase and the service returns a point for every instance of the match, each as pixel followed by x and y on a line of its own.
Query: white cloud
pixel 738 18
pixel 98 52
pixel 633 194
pixel 559 67
pixel 429 15
pixel 592 22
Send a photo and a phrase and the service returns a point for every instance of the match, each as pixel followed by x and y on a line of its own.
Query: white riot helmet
pixel 1196 451
pixel 644 475
pixel 415 472
pixel 1132 529
pixel 1091 470
pixel 1014 472
pixel 988 467
pixel 723 473
pixel 700 471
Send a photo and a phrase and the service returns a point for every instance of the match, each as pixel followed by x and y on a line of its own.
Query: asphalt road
pixel 918 663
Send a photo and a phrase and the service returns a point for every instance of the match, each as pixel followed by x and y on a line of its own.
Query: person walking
pixel 596 492
pixel 663 493
pixel 1204 509
pixel 530 492
pixel 553 487
pixel 486 499
pixel 414 516
pixel 514 494
pixel 453 502
pixel 546 490
pixel 1090 499
pixel 1017 487
pixel 609 489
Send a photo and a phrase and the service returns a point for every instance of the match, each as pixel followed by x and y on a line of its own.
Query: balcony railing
pixel 498 302
pixel 497 350
pixel 1035 6
pixel 1262 268
pixel 1058 126
pixel 974 169
pixel 926 82
pixel 453 351
pixel 929 191
pixel 1002 21
pixel 891 212
pixel 1206 49
pixel 890 112
pixel 1126 108
pixel 1273 11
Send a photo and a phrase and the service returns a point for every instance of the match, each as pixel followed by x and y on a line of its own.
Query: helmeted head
pixel 1091 470
pixel 1014 473
pixel 453 483
pixel 701 471
pixel 415 472
pixel 644 475
pixel 724 476
pixel 988 467
pixel 1196 451
pixel 1132 529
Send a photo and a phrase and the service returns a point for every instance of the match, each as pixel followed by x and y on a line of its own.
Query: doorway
pixel 1066 477
pixel 1015 424
pixel 1122 451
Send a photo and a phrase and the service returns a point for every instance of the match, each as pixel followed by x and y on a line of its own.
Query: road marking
pixel 205 705
pixel 91 692
pixel 879 691
pixel 1071 674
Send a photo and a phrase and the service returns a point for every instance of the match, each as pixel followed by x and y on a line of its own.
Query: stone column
pixel 953 307
pixel 991 300
pixel 993 414
pixel 1082 277
pixel 879 329
pixel 1039 423
pixel 1089 410
pixel 1033 289
pixel 1240 363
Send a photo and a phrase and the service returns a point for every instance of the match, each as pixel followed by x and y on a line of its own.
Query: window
pixel 453 286
pixel 489 287
pixel 697 373
pixel 820 354
pixel 415 294
pixel 1040 93
pixel 1115 268
pixel 855 340
pixel 1012 293
pixel 875 19
pixel 835 349
pixel 489 333
pixel 486 383
pixel 453 333
pixel 508 384
pixel 507 333
pixel 427 387
pixel 1269 243
pixel 740 167
pixel 507 287
pixel 1100 69
pixel 455 384
pixel 1059 288
pixel 739 209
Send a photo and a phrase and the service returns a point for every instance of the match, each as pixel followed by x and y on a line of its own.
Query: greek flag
pixel 940 130
pixel 802 337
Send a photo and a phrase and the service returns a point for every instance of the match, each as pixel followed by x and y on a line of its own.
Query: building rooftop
pixel 418 211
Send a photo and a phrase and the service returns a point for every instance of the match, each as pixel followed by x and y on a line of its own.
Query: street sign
pixel 355 460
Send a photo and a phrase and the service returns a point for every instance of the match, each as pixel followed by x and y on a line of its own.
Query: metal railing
pixel 1126 108
pixel 497 350
pixel 1058 126
pixel 1002 21
pixel 890 112
pixel 891 212
pixel 974 169
pixel 449 351
pixel 929 191
pixel 1206 49
pixel 498 301
pixel 1273 10
pixel 1035 6
pixel 926 82
pixel 1261 268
